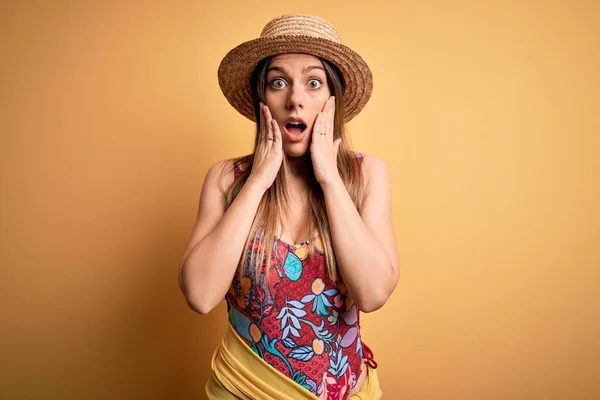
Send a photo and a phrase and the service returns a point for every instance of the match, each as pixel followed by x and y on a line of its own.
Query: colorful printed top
pixel 301 323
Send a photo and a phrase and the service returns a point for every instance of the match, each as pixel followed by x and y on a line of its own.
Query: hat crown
pixel 301 25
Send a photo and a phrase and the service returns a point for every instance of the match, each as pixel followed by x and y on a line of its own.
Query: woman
pixel 297 236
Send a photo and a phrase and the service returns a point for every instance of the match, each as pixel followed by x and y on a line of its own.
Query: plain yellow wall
pixel 486 113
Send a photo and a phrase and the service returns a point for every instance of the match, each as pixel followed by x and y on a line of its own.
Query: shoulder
pixel 375 172
pixel 371 163
pixel 223 173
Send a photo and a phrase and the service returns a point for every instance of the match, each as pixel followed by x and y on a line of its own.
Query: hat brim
pixel 236 68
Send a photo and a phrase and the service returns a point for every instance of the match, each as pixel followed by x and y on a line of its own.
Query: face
pixel 296 90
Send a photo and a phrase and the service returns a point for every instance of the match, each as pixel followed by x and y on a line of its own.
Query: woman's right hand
pixel 269 151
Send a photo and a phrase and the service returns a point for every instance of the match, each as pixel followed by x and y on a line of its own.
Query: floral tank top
pixel 298 320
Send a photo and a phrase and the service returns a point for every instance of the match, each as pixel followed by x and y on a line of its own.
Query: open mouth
pixel 295 128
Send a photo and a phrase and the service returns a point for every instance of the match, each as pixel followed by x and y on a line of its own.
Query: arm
pixel 212 255
pixel 364 243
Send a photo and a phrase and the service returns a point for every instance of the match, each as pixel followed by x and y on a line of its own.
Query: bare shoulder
pixel 376 174
pixel 220 174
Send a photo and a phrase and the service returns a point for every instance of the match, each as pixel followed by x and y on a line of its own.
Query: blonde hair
pixel 274 205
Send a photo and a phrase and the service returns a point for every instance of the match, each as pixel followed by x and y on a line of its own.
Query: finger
pixel 336 147
pixel 331 115
pixel 263 124
pixel 269 125
pixel 277 140
pixel 318 127
pixel 260 134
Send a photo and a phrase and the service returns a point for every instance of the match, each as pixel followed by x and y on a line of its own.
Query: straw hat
pixel 294 33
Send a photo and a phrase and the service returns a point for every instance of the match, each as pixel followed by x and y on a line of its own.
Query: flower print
pixel 351 316
pixel 330 389
pixel 333 318
pixel 338 301
pixel 352 381
pixel 319 297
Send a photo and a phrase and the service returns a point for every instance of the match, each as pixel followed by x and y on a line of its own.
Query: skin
pixel 363 240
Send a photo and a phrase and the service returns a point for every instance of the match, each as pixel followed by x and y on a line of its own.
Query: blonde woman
pixel 297 236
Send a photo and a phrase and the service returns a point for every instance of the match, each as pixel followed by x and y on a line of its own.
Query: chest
pixel 296 227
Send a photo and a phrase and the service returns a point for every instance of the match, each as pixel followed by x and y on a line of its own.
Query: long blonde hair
pixel 275 203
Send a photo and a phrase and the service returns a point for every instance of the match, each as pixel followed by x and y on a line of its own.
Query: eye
pixel 314 83
pixel 277 83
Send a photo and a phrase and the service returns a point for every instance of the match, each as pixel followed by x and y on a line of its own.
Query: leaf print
pixel 284 320
pixel 270 347
pixel 292 267
pixel 350 316
pixel 302 353
pixel 296 323
pixel 308 298
pixel 268 310
pixel 331 292
pixel 287 331
pixel 297 313
pixel 281 313
pixel 319 331
pixel 260 293
pixel 338 364
pixel 349 337
pixel 299 378
pixel 289 315
pixel 296 303
pixel 289 343
pixel 344 368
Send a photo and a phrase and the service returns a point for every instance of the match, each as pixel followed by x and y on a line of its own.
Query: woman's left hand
pixel 323 149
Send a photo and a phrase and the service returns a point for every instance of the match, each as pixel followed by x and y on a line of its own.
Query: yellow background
pixel 486 113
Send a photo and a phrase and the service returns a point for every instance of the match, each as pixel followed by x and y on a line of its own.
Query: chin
pixel 295 150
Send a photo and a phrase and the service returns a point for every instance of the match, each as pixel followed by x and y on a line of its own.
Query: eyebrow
pixel 305 70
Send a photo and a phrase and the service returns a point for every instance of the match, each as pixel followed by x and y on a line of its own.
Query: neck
pixel 299 166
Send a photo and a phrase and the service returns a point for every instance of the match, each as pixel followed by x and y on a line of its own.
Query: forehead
pixel 292 60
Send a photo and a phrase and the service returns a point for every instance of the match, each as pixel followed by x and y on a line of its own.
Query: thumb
pixel 336 146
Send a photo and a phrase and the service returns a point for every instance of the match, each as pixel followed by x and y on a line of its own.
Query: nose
pixel 296 97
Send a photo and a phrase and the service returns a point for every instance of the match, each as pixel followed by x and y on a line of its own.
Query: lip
pixel 292 137
pixel 295 119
